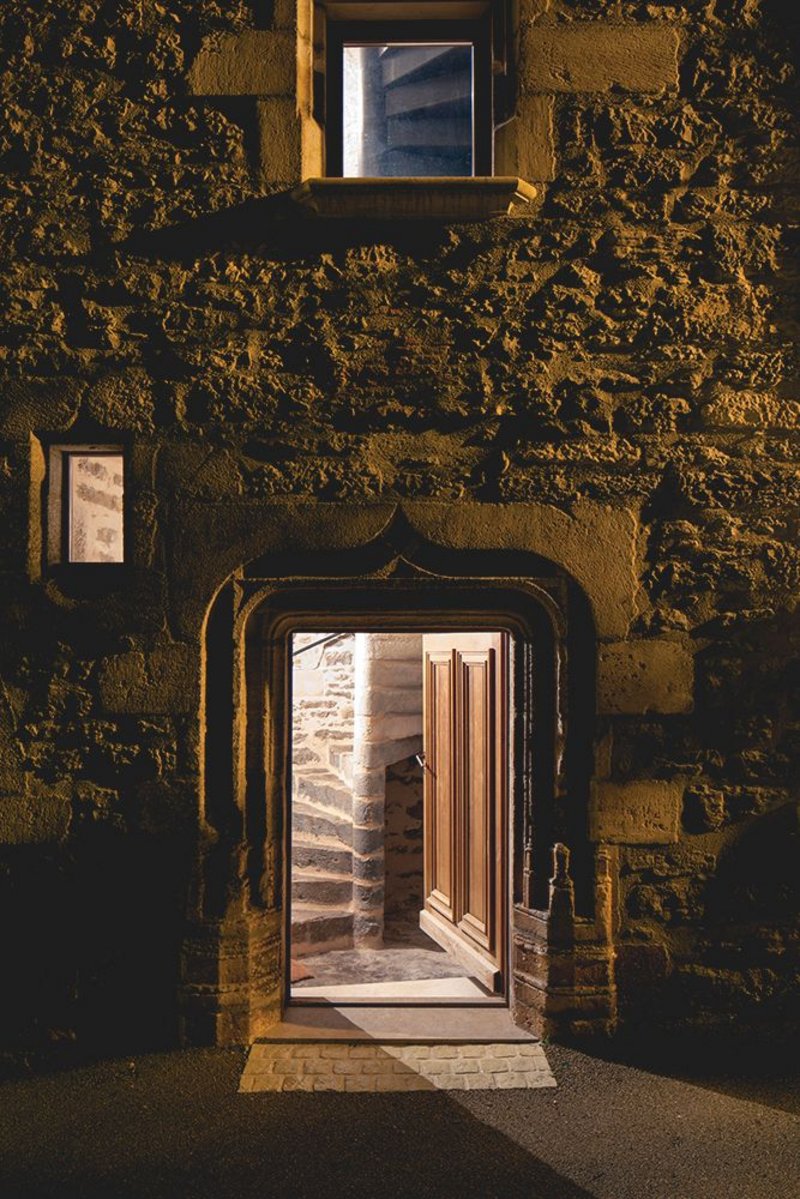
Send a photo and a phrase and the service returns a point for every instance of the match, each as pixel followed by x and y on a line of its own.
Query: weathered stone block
pixel 644 812
pixel 641 968
pixel 387 704
pixel 594 56
pixel 731 409
pixel 164 680
pixel 30 405
pixel 382 753
pixel 525 146
pixel 39 813
pixel 597 544
pixel 254 62
pixel 387 647
pixel 644 676
pixel 279 139
pixel 703 809
pixel 398 674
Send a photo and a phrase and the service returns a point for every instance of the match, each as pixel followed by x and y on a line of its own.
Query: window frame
pixel 476 32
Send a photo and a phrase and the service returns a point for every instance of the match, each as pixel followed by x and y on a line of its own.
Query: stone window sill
pixel 449 199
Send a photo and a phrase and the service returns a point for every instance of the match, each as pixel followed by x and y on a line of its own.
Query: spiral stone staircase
pixel 322 853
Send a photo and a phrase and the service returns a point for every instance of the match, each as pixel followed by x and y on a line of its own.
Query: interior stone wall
pixel 608 380
pixel 323 687
pixel 405 864
pixel 388 727
pixel 356 713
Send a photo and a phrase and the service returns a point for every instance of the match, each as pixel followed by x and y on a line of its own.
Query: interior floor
pixel 410 965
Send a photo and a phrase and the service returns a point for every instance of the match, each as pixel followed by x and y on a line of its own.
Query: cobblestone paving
pixel 327 1066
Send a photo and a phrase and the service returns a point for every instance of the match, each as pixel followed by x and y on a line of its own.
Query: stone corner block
pixel 649 675
pixel 163 681
pixel 525 146
pixel 595 56
pixel 642 812
pixel 254 62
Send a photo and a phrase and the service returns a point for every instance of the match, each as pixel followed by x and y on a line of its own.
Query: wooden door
pixel 466 766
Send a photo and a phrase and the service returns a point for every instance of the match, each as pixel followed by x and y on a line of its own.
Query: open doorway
pixel 399 828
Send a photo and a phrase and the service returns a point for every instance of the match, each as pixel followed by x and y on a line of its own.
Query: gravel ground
pixel 679 1124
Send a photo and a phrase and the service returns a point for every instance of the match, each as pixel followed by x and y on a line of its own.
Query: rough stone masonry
pixel 611 375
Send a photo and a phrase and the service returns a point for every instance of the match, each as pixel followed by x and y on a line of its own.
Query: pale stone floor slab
pixel 408 955
pixel 422 988
pixel 370 1067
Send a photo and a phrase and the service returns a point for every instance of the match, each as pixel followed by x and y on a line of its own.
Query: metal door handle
pixel 421 759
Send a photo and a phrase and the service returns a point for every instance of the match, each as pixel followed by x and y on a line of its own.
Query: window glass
pixel 95 507
pixel 408 109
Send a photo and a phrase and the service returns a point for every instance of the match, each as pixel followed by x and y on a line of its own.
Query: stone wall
pixel 404 844
pixel 388 727
pixel 323 687
pixel 608 381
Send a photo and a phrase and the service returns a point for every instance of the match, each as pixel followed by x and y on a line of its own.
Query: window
pixel 414 96
pixel 416 107
pixel 86 495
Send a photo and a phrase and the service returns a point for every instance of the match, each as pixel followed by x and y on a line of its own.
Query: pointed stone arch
pixel 234 967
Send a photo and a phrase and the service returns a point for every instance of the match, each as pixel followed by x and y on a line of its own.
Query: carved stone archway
pixel 561 975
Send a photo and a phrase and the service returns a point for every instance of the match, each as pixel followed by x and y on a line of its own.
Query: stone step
pixel 341 762
pixel 316 929
pixel 323 788
pixel 321 887
pixel 322 853
pixel 315 820
pixel 339 744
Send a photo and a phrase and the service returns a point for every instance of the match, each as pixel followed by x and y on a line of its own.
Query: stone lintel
pixel 649 675
pixel 254 62
pixel 595 56
pixel 643 812
pixel 595 543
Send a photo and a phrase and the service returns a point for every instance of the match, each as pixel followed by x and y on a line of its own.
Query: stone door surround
pixel 469 560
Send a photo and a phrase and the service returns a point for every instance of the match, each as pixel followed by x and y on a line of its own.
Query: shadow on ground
pixel 757 1068
pixel 173 1125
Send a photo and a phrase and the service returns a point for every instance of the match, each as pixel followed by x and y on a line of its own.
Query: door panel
pixel 474 759
pixel 465 796
pixel 438 691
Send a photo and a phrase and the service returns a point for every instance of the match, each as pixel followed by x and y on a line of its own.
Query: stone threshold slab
pixel 370 1068
pixel 403 1022
pixel 455 990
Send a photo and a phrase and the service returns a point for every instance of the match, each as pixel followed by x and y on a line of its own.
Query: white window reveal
pixel 95 499
pixel 86 505
pixel 407 110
